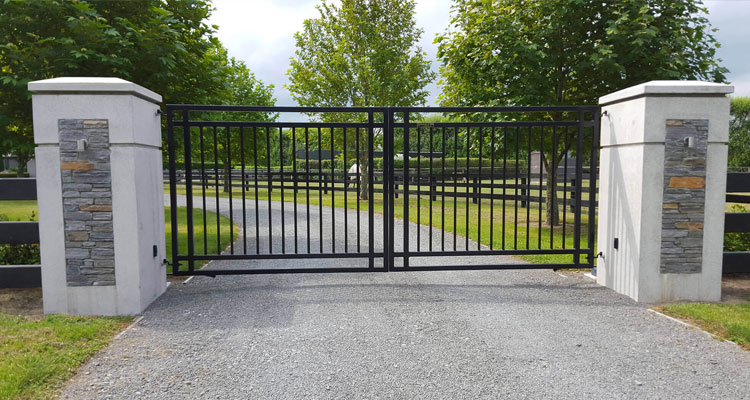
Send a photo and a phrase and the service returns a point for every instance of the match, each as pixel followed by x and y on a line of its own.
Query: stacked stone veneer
pixel 87 202
pixel 684 196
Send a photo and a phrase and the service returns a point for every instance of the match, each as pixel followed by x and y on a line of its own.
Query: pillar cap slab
pixel 668 88
pixel 92 85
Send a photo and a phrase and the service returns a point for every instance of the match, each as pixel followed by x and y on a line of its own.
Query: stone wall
pixel 87 202
pixel 684 196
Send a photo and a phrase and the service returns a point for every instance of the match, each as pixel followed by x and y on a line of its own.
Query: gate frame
pixel 388 254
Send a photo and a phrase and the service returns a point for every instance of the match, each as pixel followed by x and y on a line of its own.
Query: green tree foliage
pixel 361 53
pixel 739 132
pixel 164 45
pixel 570 52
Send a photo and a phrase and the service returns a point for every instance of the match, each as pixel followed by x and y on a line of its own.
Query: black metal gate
pixel 357 189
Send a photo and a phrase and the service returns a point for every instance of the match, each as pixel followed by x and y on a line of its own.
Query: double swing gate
pixel 364 189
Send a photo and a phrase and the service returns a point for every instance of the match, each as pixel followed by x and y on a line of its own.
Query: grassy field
pixel 516 231
pixel 729 321
pixel 217 240
pixel 37 356
pixel 19 210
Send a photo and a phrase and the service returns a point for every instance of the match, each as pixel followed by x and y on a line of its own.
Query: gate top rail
pixel 305 109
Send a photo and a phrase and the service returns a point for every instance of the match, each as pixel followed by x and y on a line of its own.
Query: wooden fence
pixel 523 181
pixel 738 187
pixel 19 276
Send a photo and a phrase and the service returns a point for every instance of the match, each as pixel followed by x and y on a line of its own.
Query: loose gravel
pixel 415 335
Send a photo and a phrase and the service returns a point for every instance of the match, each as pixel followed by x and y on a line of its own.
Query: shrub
pixel 18 254
pixel 737 241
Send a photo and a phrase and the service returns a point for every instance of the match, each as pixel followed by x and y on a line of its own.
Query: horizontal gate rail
pixel 738 185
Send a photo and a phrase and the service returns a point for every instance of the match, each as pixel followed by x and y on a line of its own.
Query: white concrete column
pixel 100 195
pixel 662 189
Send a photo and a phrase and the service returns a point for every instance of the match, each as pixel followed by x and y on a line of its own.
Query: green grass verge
pixel 538 235
pixel 38 356
pixel 19 210
pixel 215 240
pixel 729 321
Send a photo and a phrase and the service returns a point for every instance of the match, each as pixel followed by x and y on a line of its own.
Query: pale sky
pixel 260 32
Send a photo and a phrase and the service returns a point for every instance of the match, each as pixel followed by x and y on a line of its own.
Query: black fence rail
pixel 738 191
pixel 19 276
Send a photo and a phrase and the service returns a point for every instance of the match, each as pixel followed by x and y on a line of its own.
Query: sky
pixel 261 33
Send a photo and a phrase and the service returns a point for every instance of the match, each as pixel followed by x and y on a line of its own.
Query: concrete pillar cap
pixel 668 88
pixel 92 85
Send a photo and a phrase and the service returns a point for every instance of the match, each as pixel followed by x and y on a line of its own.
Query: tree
pixel 363 53
pixel 739 132
pixel 166 46
pixel 569 52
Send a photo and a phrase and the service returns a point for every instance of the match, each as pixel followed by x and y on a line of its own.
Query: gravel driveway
pixel 410 335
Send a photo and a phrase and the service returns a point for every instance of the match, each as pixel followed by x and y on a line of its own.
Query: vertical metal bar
pixel 244 211
pixel 257 212
pixel 541 174
pixel 419 184
pixel 371 193
pixel 406 189
pixel 189 189
pixel 307 184
pixel 358 174
pixel 515 206
pixel 480 130
pixel 216 190
pixel 492 186
pixel 204 182
pixel 431 187
pixel 320 187
pixel 592 187
pixel 565 188
pixel 296 188
pixel 283 188
pixel 229 178
pixel 333 197
pixel 505 167
pixel 528 190
pixel 468 173
pixel 554 187
pixel 270 185
pixel 579 191
pixel 442 194
pixel 346 203
pixel 173 190
pixel 455 183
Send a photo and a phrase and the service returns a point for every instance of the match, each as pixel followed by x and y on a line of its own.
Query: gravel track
pixel 409 335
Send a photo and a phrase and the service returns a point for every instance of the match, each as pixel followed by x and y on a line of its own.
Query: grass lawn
pixel 214 246
pixel 729 321
pixel 39 355
pixel 516 232
pixel 19 210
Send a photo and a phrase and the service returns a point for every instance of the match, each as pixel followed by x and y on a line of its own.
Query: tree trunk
pixel 23 161
pixel 227 177
pixel 364 173
pixel 553 210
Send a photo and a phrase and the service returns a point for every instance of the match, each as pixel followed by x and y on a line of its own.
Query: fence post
pixel 100 195
pixel 662 190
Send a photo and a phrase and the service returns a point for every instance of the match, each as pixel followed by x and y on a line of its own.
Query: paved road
pixel 427 335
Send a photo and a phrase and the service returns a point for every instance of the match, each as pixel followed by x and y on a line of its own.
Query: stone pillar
pixel 662 189
pixel 100 195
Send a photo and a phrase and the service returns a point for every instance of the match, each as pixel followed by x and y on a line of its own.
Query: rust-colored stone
pixel 687 182
pixel 691 226
pixel 77 165
pixel 671 206
pixel 77 236
pixel 96 207
pixel 674 122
